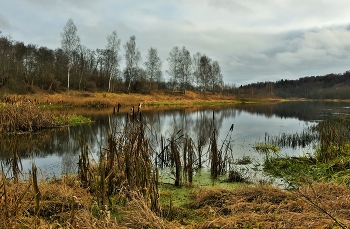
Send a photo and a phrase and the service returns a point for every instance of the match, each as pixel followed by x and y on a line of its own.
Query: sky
pixel 253 40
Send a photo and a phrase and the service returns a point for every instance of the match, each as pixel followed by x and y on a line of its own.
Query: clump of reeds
pixel 176 157
pixel 84 169
pixel 219 157
pixel 334 135
pixel 26 118
pixel 124 165
pixel 303 139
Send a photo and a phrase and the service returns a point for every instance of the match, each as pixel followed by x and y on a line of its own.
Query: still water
pixel 56 152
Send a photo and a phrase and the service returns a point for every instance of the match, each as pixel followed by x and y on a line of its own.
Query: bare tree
pixel 153 67
pixel 132 58
pixel 70 43
pixel 196 68
pixel 180 67
pixel 185 68
pixel 216 76
pixel 174 66
pixel 205 72
pixel 113 48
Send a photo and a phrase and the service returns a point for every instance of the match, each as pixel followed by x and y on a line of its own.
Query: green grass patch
pixel 167 104
pixel 73 120
pixel 175 201
pixel 303 169
pixel 78 120
pixel 298 170
pixel 212 103
pixel 54 106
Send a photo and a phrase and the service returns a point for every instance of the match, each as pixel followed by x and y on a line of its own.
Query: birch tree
pixel 205 72
pixel 153 67
pixel 216 76
pixel 70 43
pixel 132 58
pixel 174 66
pixel 113 48
pixel 196 68
pixel 185 68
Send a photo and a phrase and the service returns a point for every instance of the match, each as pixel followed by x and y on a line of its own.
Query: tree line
pixel 330 86
pixel 28 68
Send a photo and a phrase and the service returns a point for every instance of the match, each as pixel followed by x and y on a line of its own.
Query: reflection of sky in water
pixel 250 128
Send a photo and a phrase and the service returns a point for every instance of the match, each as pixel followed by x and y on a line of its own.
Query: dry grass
pixel 270 207
pixel 25 118
pixel 160 98
pixel 56 203
pixel 259 206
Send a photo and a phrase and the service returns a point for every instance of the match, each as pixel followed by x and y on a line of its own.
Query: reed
pixel 334 136
pixel 214 156
pixel 201 144
pixel 303 139
pixel 124 166
pixel 4 194
pixel 16 166
pixel 84 163
pixel 219 157
pixel 26 118
pixel 191 158
pixel 175 156
pixel 37 195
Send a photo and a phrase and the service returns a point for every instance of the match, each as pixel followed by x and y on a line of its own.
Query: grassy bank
pixel 30 118
pixel 160 98
pixel 64 203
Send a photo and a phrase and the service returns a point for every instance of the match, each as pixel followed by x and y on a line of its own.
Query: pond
pixel 242 126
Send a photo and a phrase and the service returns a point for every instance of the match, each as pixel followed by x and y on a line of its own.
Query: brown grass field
pixel 160 98
pixel 251 206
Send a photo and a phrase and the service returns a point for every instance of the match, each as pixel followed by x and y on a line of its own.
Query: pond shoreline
pixel 160 98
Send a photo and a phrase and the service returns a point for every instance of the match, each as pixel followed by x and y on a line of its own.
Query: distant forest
pixel 330 86
pixel 30 68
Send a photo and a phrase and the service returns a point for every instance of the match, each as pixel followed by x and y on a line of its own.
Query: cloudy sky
pixel 253 40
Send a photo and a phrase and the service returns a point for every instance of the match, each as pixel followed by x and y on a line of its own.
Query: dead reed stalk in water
pixel 36 193
pixel 176 160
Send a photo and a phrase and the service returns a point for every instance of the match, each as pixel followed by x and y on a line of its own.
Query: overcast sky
pixel 253 40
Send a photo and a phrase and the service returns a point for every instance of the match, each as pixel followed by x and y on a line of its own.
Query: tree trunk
pixel 109 83
pixel 68 77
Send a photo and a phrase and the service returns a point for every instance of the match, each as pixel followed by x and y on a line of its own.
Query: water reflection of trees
pixel 198 124
pixel 195 123
pixel 306 111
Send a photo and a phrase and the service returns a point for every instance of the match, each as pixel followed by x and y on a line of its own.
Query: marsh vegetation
pixel 121 182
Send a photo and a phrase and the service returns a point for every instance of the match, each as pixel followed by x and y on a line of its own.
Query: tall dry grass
pixel 26 118
pixel 265 206
pixel 99 99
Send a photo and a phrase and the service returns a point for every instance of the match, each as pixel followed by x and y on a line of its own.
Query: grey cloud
pixel 4 23
pixel 252 40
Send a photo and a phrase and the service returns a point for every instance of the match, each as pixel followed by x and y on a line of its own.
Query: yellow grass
pixel 105 99
pixel 255 206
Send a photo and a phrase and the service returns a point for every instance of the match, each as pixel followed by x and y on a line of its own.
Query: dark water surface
pixel 56 152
